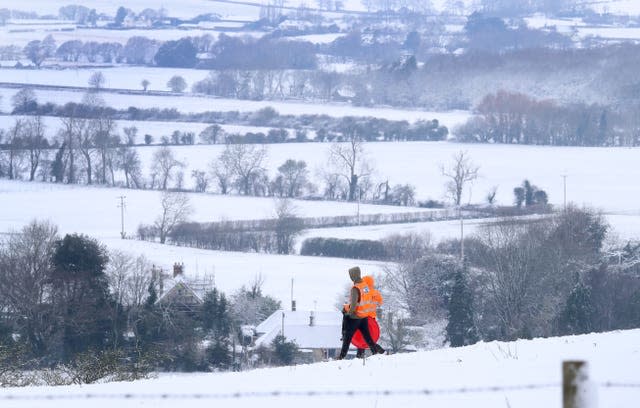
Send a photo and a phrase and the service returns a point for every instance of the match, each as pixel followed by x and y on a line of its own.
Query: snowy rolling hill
pixel 522 374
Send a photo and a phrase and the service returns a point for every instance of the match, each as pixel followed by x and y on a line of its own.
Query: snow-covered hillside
pixel 522 374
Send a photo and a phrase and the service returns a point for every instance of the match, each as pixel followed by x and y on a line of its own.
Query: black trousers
pixel 349 327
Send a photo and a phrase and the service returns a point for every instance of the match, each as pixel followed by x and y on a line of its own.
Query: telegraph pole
pixel 122 206
pixel 461 234
pixel 564 187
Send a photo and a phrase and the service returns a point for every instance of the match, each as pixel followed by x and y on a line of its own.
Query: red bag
pixel 358 340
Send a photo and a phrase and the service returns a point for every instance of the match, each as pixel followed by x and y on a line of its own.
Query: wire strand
pixel 274 394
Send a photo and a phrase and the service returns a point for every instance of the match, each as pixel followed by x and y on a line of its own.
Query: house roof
pixel 325 332
pixel 306 337
pixel 298 317
pixel 177 285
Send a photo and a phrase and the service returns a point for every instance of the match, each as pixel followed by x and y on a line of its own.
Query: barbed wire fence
pixel 575 382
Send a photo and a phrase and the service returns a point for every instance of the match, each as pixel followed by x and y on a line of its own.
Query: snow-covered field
pixel 630 7
pixel 119 77
pixel 195 104
pixel 94 210
pixel 623 228
pixel 521 374
pixel 598 177
pixel 619 33
pixel 582 30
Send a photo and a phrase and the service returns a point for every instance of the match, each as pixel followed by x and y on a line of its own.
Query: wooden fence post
pixel 575 385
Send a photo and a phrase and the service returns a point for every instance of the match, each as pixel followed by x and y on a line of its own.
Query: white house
pixel 317 334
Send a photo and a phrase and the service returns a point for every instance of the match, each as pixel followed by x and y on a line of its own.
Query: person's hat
pixel 354 273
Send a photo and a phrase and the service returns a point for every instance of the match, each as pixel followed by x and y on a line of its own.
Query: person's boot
pixel 379 349
pixel 360 353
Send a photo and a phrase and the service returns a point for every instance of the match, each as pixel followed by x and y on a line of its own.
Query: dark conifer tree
pixel 577 315
pixel 80 295
pixel 461 329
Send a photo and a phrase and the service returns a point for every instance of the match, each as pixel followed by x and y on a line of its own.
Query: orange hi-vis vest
pixel 376 296
pixel 375 293
pixel 367 305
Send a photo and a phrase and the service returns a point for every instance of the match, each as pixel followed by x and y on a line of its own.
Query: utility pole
pixel 358 207
pixel 564 187
pixel 461 234
pixel 122 206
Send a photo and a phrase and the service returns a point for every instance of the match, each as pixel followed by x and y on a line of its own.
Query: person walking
pixel 363 302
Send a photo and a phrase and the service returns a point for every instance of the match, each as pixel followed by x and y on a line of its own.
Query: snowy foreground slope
pixel 522 374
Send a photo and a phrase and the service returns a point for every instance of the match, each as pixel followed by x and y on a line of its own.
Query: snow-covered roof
pixel 305 336
pixel 299 317
pixel 325 332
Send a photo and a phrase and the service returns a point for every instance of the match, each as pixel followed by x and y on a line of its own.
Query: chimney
pixel 312 319
pixel 177 269
pixel 156 277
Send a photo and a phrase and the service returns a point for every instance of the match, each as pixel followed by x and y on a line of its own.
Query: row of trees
pixel 90 150
pixel 224 53
pixel 520 279
pixel 516 118
pixel 61 297
pixel 327 128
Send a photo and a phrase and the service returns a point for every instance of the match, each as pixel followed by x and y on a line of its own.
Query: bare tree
pixel 246 164
pixel 348 161
pixel 35 143
pixel 164 163
pixel 97 80
pixel 459 173
pixel 222 176
pixel 175 210
pixel 326 84
pixel 491 195
pixel 14 143
pixel 106 140
pixel 24 100
pixel 145 84
pixel 396 331
pixel 130 132
pixel 515 282
pixel 86 145
pixel 288 226
pixel 294 176
pixel 212 134
pixel 25 262
pixel 36 52
pixel 201 179
pixel 129 162
pixel 177 84
pixel 129 278
pixel 94 100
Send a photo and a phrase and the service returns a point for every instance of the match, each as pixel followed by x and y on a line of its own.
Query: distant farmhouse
pixel 317 334
pixel 177 292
